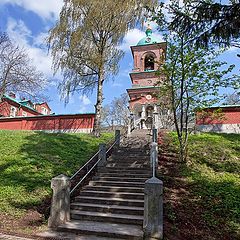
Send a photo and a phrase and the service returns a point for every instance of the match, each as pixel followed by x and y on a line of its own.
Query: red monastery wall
pixel 227 120
pixel 227 116
pixel 53 123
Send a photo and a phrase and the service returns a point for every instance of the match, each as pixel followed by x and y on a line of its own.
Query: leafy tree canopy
pixel 210 21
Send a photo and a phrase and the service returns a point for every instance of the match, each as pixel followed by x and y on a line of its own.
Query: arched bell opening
pixel 149 62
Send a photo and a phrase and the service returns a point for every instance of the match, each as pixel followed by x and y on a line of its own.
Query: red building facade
pixel 148 54
pixel 11 107
pixel 224 118
pixel 24 115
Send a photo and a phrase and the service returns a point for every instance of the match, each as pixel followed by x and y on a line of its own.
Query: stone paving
pixel 10 237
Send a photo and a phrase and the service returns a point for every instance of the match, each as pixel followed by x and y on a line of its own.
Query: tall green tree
pixel 84 44
pixel 194 77
pixel 211 21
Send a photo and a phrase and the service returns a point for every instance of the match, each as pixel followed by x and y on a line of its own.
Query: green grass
pixel 28 161
pixel 213 172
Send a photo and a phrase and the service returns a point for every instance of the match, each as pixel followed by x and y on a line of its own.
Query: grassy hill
pixel 202 196
pixel 28 161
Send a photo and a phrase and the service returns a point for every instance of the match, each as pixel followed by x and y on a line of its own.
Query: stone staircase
pixel 112 204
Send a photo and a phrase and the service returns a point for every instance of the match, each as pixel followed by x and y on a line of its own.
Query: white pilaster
pixel 143 115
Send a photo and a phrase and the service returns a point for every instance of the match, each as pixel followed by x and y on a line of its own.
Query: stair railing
pixel 64 186
pixel 154 152
pixel 153 198
pixel 90 166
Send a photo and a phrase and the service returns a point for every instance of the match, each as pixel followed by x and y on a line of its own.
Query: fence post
pixel 154 157
pixel 153 209
pixel 154 135
pixel 102 155
pixel 60 206
pixel 117 137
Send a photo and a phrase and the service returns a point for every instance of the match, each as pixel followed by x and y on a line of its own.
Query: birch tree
pixel 84 44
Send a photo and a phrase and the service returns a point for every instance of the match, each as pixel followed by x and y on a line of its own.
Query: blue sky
pixel 28 21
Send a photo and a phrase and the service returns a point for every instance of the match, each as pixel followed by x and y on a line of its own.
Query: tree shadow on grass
pixel 204 208
pixel 221 152
pixel 200 201
pixel 42 157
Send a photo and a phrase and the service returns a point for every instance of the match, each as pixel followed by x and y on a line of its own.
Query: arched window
pixel 149 111
pixel 149 62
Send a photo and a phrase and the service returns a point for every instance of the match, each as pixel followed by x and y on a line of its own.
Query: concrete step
pixel 106 217
pixel 54 235
pixel 128 165
pixel 117 179
pixel 115 189
pixel 129 161
pixel 111 201
pixel 123 195
pixel 122 175
pixel 130 156
pixel 116 183
pixel 129 210
pixel 126 154
pixel 104 229
pixel 138 170
pixel 132 150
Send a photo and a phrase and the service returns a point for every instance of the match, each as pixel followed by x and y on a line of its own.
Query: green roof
pixel 149 39
pixel 20 103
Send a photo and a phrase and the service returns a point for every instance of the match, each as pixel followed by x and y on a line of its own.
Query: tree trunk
pixel 98 106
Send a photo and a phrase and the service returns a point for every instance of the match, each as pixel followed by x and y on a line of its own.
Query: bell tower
pixel 148 54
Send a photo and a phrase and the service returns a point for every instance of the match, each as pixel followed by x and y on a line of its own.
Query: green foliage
pixel 206 22
pixel 194 77
pixel 28 161
pixel 213 173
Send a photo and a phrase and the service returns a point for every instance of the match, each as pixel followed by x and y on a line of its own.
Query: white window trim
pixel 13 111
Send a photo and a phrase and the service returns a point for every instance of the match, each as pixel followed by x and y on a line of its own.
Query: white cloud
pixel 34 45
pixel 85 100
pixel 135 35
pixel 46 9
pixel 132 38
